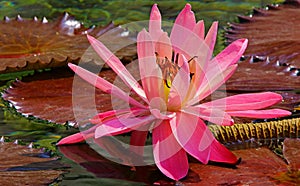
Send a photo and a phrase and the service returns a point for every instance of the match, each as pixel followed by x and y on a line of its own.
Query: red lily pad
pixel 21 165
pixel 273 50
pixel 272 56
pixel 34 44
pixel 291 152
pixel 34 97
pixel 272 32
pixel 264 75
pixel 258 167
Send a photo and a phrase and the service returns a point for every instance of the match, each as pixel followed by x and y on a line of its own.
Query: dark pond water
pixel 92 169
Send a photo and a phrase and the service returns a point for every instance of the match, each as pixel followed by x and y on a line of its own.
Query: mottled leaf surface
pixel 259 166
pixel 291 152
pixel 272 32
pixel 271 60
pixel 34 44
pixel 21 165
pixel 48 96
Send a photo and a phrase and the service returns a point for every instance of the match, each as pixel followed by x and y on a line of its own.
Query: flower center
pixel 170 68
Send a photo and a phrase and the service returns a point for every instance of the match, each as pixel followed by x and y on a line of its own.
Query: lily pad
pixel 264 75
pixel 271 60
pixel 33 97
pixel 272 32
pixel 291 152
pixel 259 166
pixel 34 44
pixel 21 165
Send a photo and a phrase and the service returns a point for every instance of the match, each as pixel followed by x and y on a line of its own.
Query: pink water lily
pixel 176 74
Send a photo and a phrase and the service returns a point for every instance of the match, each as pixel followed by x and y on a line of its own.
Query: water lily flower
pixel 177 73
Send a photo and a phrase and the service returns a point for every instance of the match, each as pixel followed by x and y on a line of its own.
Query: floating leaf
pixel 21 165
pixel 258 167
pixel 48 96
pixel 273 50
pixel 291 152
pixel 263 75
pixel 272 32
pixel 34 44
pixel 272 56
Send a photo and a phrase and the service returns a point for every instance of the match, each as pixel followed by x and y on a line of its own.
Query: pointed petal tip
pixel 72 66
pixel 74 138
pixel 155 14
pixel 154 6
pixel 188 7
pixel 243 41
pixel 91 39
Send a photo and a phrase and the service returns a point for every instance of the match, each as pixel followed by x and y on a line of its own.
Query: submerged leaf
pixel 21 165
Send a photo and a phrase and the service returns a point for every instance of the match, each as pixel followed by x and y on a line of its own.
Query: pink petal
pixel 104 85
pixel 199 29
pixel 186 17
pixel 169 156
pixel 196 81
pixel 117 66
pixel 211 83
pixel 137 141
pixel 262 114
pixel 229 56
pixel 182 28
pixel 221 154
pixel 193 135
pixel 211 37
pixel 155 23
pixel 180 86
pixel 124 113
pixel 78 137
pixel 122 125
pixel 158 114
pixel 213 115
pixel 245 101
pixel 163 46
pixel 151 75
pixel 218 67
pixel 75 138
